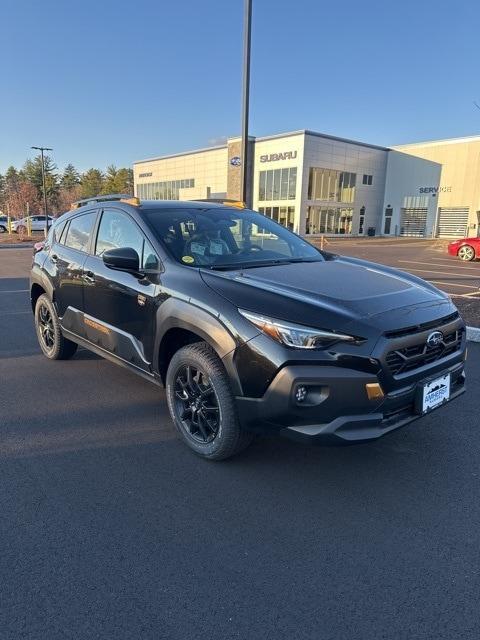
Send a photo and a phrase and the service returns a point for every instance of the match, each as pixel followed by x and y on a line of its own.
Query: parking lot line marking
pixel 452 260
pixel 446 273
pixel 16 291
pixel 451 284
pixel 441 265
pixel 471 295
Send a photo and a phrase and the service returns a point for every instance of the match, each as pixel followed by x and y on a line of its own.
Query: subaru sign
pixel 274 157
pixel 236 161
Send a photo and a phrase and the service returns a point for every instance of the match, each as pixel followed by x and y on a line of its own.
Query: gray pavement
pixel 110 528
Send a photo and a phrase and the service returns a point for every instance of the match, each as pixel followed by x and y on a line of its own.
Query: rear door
pixel 119 307
pixel 65 266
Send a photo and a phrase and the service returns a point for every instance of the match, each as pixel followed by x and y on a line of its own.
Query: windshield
pixel 227 238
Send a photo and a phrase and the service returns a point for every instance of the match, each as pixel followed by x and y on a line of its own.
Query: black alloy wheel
pixel 46 330
pixel 196 404
pixel 202 405
pixel 52 342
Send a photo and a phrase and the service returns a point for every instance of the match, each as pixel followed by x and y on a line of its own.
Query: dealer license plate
pixel 435 393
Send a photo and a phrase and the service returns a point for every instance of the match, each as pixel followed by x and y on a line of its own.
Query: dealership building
pixel 319 184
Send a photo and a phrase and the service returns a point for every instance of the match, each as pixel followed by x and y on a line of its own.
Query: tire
pixel 202 405
pixel 21 229
pixel 466 253
pixel 52 343
pixel 3 229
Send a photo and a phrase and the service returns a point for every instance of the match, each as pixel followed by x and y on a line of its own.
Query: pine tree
pixel 91 183
pixel 70 177
pixel 32 171
pixel 118 180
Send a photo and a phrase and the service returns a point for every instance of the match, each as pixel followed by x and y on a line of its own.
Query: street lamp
pixel 247 33
pixel 45 208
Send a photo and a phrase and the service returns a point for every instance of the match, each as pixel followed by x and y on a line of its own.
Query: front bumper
pixel 337 409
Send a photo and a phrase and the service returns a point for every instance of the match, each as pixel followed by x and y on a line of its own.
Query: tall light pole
pixel 247 37
pixel 45 208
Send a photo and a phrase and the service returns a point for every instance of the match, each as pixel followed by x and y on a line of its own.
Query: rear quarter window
pixel 77 235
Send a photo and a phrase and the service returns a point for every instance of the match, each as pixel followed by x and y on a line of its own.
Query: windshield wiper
pixel 265 263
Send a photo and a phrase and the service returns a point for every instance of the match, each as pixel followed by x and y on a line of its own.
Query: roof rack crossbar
pixel 101 198
pixel 238 204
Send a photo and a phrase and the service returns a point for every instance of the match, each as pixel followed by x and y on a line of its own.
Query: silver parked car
pixel 38 224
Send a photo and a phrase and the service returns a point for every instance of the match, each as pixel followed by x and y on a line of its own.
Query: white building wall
pixel 405 175
pixel 208 167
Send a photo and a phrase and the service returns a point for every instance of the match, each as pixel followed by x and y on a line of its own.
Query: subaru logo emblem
pixel 435 338
pixel 236 161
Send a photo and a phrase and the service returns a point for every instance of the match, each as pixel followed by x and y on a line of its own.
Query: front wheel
pixel 201 403
pixel 3 229
pixel 466 253
pixel 53 344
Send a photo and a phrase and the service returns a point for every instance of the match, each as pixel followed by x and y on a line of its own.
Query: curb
pixel 18 245
pixel 473 334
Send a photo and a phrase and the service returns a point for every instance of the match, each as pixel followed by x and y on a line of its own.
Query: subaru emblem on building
pixel 236 161
pixel 434 339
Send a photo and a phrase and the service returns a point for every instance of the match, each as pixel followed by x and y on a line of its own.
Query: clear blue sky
pixel 112 82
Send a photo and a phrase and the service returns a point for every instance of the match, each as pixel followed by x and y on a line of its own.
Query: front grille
pixel 419 355
pixel 416 328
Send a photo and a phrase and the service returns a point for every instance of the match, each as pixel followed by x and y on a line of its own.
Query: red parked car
pixel 465 249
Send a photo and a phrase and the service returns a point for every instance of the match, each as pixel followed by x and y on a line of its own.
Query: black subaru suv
pixel 249 327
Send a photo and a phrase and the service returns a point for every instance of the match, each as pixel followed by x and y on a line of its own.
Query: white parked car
pixel 38 224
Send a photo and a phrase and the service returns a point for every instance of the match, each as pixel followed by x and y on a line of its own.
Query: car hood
pixel 332 294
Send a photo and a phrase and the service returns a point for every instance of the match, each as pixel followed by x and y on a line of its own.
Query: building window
pixel 367 179
pixel 330 185
pixel 333 220
pixel 283 215
pixel 277 184
pixel 168 190
pixel 361 221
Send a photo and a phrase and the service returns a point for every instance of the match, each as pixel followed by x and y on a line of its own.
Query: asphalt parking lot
pixel 111 528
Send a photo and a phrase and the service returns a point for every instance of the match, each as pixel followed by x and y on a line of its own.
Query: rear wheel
pixel 53 344
pixel 201 403
pixel 3 229
pixel 21 229
pixel 466 253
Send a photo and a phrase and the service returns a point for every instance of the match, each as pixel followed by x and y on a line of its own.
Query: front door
pixel 119 306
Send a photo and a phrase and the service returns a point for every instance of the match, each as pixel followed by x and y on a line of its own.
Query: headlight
pixel 296 335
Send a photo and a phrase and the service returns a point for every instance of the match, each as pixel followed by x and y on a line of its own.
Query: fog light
pixel 301 393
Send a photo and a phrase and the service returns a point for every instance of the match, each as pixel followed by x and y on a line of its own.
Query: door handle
pixel 54 258
pixel 89 277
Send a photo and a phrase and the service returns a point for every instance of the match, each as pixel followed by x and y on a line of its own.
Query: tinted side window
pixel 117 231
pixel 78 233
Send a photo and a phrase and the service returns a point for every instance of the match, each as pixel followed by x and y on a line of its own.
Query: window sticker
pixel 196 247
pixel 188 259
pixel 216 248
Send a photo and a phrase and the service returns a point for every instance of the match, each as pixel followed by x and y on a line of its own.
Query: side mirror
pixel 122 259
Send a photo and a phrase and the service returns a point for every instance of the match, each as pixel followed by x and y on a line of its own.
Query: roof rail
pixel 122 197
pixel 238 204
